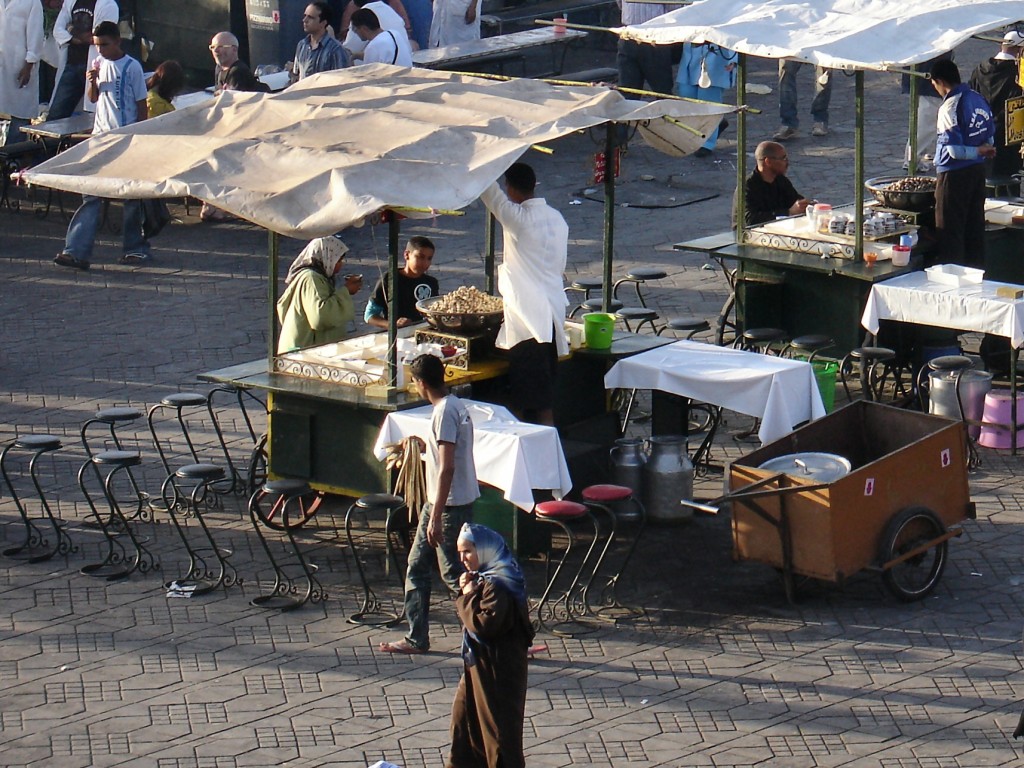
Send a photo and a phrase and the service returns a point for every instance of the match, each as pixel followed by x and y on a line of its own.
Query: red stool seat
pixel 560 510
pixel 606 492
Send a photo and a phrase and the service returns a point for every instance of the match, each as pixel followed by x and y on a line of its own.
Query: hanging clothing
pixel 21 41
pixel 449 26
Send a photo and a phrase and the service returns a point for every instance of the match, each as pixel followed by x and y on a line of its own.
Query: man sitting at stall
pixel 310 310
pixel 412 284
pixel 966 130
pixel 769 193
pixel 536 241
pixel 231 72
pixel 383 46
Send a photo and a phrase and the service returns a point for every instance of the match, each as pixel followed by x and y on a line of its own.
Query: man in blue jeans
pixel 451 489
pixel 788 100
pixel 117 87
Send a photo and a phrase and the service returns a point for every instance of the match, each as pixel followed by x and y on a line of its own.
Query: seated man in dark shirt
pixel 769 193
pixel 413 284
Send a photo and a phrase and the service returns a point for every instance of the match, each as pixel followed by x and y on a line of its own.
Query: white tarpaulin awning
pixel 839 34
pixel 338 146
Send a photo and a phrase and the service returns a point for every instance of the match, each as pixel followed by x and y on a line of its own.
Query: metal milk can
pixel 627 464
pixel 668 478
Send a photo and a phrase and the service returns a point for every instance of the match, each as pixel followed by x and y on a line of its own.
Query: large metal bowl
pixel 916 201
pixel 468 323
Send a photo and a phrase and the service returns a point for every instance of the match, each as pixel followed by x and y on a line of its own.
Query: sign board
pixel 601 166
pixel 1015 120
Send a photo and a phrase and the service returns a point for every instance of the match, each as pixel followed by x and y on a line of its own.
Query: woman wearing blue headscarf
pixel 487 716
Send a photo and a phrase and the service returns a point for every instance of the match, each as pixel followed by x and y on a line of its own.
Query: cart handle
pixel 752 491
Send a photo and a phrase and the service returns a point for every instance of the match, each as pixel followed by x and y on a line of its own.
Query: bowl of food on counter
pixel 903 193
pixel 465 311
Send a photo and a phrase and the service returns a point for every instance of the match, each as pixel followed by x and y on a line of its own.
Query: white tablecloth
pixel 509 454
pixel 781 392
pixel 913 298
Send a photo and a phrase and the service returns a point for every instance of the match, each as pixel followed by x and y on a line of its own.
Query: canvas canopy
pixel 338 146
pixel 839 34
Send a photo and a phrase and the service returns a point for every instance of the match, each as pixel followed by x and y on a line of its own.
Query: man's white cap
pixel 1013 39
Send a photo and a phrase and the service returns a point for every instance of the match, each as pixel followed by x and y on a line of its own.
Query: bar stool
pixel 185 404
pixel 371 610
pixel 119 562
pixel 637 277
pixel 584 285
pixel 638 315
pixel 868 360
pixel 612 501
pixel 112 419
pixel 561 514
pixel 691 326
pixel 596 304
pixel 808 346
pixel 288 593
pixel 208 566
pixel 761 339
pixel 35 537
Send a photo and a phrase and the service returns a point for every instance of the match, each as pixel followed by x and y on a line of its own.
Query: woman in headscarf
pixel 311 311
pixel 487 716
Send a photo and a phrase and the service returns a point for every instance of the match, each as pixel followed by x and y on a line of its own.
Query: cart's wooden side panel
pixel 755 538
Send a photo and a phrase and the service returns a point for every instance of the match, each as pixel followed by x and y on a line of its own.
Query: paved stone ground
pixel 719 671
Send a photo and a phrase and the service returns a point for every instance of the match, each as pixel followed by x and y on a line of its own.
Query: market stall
pixel 813 282
pixel 331 151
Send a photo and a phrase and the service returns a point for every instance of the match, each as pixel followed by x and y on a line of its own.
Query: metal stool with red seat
pixel 621 507
pixel 561 514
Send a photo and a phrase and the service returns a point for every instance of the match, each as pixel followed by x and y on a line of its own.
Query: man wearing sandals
pixel 451 490
pixel 117 87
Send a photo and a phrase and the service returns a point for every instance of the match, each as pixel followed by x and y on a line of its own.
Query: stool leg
pixel 285 594
pixel 571 626
pixel 115 554
pixel 609 595
pixel 141 559
pixel 371 610
pixel 613 525
pixel 204 575
pixel 235 481
pixel 34 537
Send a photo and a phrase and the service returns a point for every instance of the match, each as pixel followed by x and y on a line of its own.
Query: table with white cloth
pixel 973 307
pixel 473 53
pixel 779 391
pixel 510 455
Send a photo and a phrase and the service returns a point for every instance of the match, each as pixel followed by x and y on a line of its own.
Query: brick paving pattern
pixel 718 671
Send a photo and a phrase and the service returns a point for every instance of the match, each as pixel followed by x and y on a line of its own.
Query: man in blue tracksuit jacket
pixel 966 132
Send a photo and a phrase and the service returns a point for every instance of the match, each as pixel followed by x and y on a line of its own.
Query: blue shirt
pixel 326 56
pixel 965 123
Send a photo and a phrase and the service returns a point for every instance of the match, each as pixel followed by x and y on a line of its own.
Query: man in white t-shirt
pixel 389 19
pixel 117 86
pixel 382 46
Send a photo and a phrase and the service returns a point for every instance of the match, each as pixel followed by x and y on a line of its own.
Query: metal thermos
pixel 942 395
pixel 668 478
pixel 627 464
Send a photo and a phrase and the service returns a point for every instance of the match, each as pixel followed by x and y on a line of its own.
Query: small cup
pixel 560 25
pixel 870 257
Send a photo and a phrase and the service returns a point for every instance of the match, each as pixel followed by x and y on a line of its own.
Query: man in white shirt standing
pixel 382 46
pixel 387 17
pixel 536 242
pixel 21 45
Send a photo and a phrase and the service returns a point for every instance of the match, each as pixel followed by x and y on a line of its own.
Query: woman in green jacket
pixel 311 311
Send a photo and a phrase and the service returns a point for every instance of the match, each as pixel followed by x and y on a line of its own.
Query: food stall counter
pixel 802 293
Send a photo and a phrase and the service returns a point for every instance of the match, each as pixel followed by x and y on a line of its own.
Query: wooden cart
pixel 894 512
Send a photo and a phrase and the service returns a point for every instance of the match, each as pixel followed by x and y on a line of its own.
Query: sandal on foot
pixel 134 258
pixel 402 646
pixel 67 260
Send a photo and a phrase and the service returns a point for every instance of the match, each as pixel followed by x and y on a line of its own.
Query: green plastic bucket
pixel 825 372
pixel 597 329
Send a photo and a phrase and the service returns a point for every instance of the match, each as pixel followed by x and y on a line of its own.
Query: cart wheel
pixel 914 578
pixel 273 515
